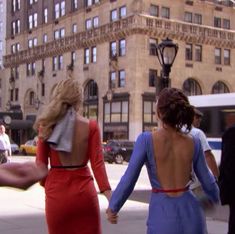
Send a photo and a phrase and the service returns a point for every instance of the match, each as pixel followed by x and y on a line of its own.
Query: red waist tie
pixel 160 190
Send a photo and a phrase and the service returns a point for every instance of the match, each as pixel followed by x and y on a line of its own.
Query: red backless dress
pixel 72 205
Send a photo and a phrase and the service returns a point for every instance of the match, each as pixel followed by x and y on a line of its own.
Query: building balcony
pixel 135 24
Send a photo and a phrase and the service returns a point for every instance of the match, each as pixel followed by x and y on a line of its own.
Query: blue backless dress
pixel 167 214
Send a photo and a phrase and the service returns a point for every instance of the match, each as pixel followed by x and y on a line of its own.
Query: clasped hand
pixel 111 216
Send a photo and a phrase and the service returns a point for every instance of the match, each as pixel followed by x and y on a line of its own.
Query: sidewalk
pixel 23 213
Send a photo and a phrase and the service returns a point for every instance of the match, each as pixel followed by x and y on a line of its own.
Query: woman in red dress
pixel 67 142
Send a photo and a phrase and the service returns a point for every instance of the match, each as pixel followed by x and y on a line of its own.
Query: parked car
pixel 14 147
pixel 118 151
pixel 29 148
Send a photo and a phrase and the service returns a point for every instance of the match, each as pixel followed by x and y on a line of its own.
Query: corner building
pixel 109 46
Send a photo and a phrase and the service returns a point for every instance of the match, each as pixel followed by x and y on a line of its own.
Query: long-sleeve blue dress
pixel 167 215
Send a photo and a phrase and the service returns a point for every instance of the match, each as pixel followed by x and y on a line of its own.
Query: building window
pixel 12 95
pixel 93 54
pixel 88 24
pixel 73 57
pixel 15 6
pixel 86 56
pixel 57 63
pixel 30 69
pixel 122 12
pixel 114 15
pixel 16 94
pixel 198 53
pixel 152 46
pixel 220 87
pixel 226 57
pixel 90 105
pixel 31 98
pixel 88 3
pixel 43 89
pixel 15 72
pixel 197 18
pixel 32 42
pixel 33 21
pixel 31 2
pixel 91 100
pixel 95 21
pixel 217 22
pixel 226 24
pixel 116 112
pixel 152 77
pixel 113 49
pixel 74 28
pixel 59 9
pixel 165 12
pixel 217 56
pixel 154 10
pixel 59 33
pixel 191 87
pixel 75 4
pixel 149 112
pixel 45 38
pixel 189 52
pixel 122 47
pixel 122 78
pixel 45 18
pixel 112 80
pixel 15 27
pixel 188 17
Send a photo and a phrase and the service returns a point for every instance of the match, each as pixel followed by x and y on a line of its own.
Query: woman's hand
pixel 111 216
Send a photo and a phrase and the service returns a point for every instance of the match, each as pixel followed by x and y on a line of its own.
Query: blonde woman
pixel 69 141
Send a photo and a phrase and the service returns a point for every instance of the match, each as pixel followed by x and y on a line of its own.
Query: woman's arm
pixel 204 175
pixel 128 180
pixel 21 175
pixel 43 150
pixel 97 160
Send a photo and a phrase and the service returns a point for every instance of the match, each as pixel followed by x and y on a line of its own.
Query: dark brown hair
pixel 174 109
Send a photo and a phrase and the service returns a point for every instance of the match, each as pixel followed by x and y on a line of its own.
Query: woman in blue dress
pixel 169 155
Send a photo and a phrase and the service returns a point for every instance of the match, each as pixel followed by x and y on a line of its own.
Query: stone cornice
pixel 135 24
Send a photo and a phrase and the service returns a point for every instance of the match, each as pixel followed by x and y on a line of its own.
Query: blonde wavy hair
pixel 67 93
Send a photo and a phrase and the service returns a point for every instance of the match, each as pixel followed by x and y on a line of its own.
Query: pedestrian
pixel 69 141
pixel 227 170
pixel 21 175
pixel 196 131
pixel 169 155
pixel 5 145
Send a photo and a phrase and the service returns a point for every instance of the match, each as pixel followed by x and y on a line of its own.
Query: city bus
pixel 214 107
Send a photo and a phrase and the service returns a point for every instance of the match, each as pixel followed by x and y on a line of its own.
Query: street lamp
pixel 166 53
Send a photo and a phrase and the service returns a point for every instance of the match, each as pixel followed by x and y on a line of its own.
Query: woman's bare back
pixel 173 152
pixel 79 145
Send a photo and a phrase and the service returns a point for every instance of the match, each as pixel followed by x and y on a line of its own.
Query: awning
pixel 20 124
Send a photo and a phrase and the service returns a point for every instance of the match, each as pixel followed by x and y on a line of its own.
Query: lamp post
pixel 166 53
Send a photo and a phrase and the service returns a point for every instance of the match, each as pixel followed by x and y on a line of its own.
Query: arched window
pixel 91 100
pixel 91 91
pixel 31 98
pixel 191 87
pixel 220 87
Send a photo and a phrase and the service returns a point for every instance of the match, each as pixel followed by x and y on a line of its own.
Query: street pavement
pixel 22 212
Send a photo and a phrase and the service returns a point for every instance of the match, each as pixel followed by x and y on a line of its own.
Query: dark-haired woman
pixel 169 155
